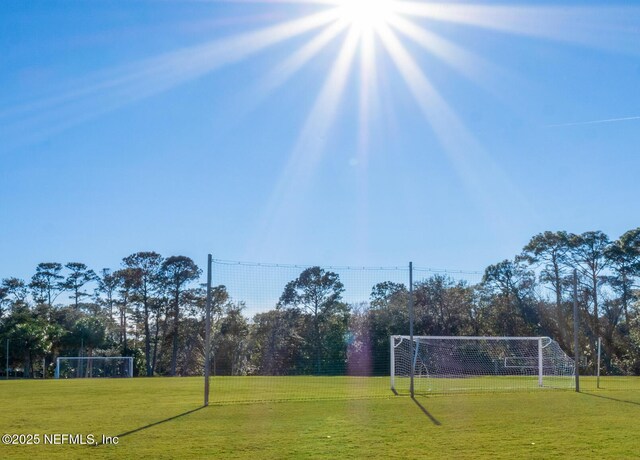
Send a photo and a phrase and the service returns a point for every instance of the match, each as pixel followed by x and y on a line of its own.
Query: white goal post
pixel 93 366
pixel 441 364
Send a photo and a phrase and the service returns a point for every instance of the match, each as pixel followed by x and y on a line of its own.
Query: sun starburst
pixel 366 30
pixel 366 15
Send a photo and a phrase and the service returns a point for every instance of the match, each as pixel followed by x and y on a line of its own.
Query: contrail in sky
pixel 594 122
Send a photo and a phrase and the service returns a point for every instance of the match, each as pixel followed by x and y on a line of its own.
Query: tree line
pixel 152 308
pixel 139 310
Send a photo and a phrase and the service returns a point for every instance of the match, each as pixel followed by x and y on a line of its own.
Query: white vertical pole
pixel 413 369
pixel 207 334
pixel 57 373
pixel 540 361
pixel 392 340
pixel 131 367
pixel 599 354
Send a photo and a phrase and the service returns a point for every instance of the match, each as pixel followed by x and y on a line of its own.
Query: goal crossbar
pixel 450 337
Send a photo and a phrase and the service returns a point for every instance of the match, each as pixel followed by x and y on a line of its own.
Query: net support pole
pixel 576 329
pixel 411 317
pixel 207 334
pixel 57 374
pixel 393 362
pixel 7 363
pixel 599 354
pixel 540 362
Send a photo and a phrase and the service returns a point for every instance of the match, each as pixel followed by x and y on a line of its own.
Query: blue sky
pixel 158 125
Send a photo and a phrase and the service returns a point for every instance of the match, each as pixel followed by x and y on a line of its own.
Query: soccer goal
pixel 68 367
pixel 470 364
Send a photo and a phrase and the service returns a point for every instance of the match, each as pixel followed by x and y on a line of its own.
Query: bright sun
pixel 367 15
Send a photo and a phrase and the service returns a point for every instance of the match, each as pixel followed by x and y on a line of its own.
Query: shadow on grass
pixel 434 420
pixel 160 422
pixel 611 399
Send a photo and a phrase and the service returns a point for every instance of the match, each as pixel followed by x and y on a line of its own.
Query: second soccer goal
pixel 469 364
pixel 93 367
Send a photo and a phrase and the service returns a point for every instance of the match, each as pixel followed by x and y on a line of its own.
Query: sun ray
pixel 598 27
pixel 109 90
pixel 322 115
pixel 289 2
pixel 433 106
pixel 469 65
pixel 204 57
pixel 465 153
pixel 286 69
pixel 367 110
pixel 289 191
pixel 368 91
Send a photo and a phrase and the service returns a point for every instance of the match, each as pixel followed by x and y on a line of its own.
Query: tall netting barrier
pixel 476 364
pixel 284 332
pixel 288 332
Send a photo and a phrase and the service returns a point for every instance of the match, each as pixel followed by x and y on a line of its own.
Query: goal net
pixel 69 367
pixel 469 364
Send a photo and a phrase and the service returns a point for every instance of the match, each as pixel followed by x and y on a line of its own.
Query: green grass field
pixel 162 418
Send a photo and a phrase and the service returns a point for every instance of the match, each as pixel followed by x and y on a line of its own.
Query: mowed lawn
pixel 163 418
